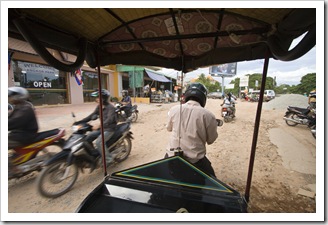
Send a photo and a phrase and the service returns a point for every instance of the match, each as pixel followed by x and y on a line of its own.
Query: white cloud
pixel 285 72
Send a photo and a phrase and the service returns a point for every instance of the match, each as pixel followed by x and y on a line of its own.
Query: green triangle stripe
pixel 217 186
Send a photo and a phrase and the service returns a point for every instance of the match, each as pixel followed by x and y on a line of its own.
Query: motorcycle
pixel 227 112
pixel 61 171
pixel 304 116
pixel 121 115
pixel 26 159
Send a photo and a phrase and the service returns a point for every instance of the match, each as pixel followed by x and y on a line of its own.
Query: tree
pixel 308 83
pixel 208 83
pixel 282 89
pixel 269 84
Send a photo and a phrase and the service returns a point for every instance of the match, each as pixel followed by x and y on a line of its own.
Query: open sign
pixel 40 84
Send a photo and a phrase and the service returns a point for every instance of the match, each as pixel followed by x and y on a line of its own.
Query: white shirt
pixel 227 102
pixel 198 127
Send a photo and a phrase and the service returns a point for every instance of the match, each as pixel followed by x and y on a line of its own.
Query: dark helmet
pixel 125 93
pixel 198 92
pixel 104 94
pixel 18 93
pixel 230 94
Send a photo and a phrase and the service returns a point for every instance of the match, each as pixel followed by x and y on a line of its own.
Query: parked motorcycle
pixel 29 158
pixel 61 171
pixel 304 116
pixel 121 115
pixel 227 112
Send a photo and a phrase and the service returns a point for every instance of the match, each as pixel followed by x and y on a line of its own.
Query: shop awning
pixel 156 76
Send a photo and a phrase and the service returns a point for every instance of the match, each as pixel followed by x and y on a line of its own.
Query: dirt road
pixel 285 160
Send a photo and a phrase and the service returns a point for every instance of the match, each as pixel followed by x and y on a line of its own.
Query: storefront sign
pixel 37 68
pixel 40 84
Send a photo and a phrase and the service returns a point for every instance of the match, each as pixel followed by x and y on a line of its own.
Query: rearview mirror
pixel 220 122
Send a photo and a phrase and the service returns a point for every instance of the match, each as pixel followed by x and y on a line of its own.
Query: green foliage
pixel 208 83
pixel 282 89
pixel 269 84
pixel 308 83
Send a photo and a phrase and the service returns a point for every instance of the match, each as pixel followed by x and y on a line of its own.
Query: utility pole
pixel 134 83
pixel 222 85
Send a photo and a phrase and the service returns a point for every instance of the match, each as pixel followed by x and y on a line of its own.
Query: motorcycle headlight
pixel 76 127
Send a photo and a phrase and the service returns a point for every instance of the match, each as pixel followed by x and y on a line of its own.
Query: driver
pixel 126 102
pixel 230 101
pixel 197 127
pixel 22 122
pixel 109 123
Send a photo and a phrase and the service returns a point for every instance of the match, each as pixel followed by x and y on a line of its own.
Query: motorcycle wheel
pixel 134 117
pixel 126 146
pixel 293 116
pixel 56 179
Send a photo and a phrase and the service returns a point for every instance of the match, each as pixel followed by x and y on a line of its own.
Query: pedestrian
pixel 312 99
pixel 192 127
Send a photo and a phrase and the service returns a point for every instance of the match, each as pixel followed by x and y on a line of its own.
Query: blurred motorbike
pixel 61 171
pixel 123 117
pixel 227 112
pixel 26 159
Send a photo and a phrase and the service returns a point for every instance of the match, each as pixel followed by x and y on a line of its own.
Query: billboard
pixel 226 69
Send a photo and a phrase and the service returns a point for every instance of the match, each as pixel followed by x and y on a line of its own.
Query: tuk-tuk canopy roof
pixel 184 39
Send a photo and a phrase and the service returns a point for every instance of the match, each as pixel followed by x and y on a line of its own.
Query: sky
pixel 285 72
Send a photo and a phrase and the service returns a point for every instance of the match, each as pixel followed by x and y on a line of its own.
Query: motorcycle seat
pixel 45 134
pixel 301 110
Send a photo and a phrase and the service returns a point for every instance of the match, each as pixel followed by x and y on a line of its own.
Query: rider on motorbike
pixel 312 99
pixel 22 122
pixel 229 100
pixel 109 123
pixel 126 102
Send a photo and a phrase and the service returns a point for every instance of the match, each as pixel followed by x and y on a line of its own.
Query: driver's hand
pixel 96 127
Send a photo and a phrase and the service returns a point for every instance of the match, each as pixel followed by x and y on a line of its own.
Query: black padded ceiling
pixel 182 39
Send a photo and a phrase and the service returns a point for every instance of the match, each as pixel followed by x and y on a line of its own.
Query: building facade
pixel 47 85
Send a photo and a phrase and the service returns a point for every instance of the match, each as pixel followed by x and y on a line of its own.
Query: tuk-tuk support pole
pixel 256 129
pixel 101 117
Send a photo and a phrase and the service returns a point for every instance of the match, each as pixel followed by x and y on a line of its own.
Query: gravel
pixel 282 101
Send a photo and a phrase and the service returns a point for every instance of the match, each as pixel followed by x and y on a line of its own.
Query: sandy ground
pixel 285 160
